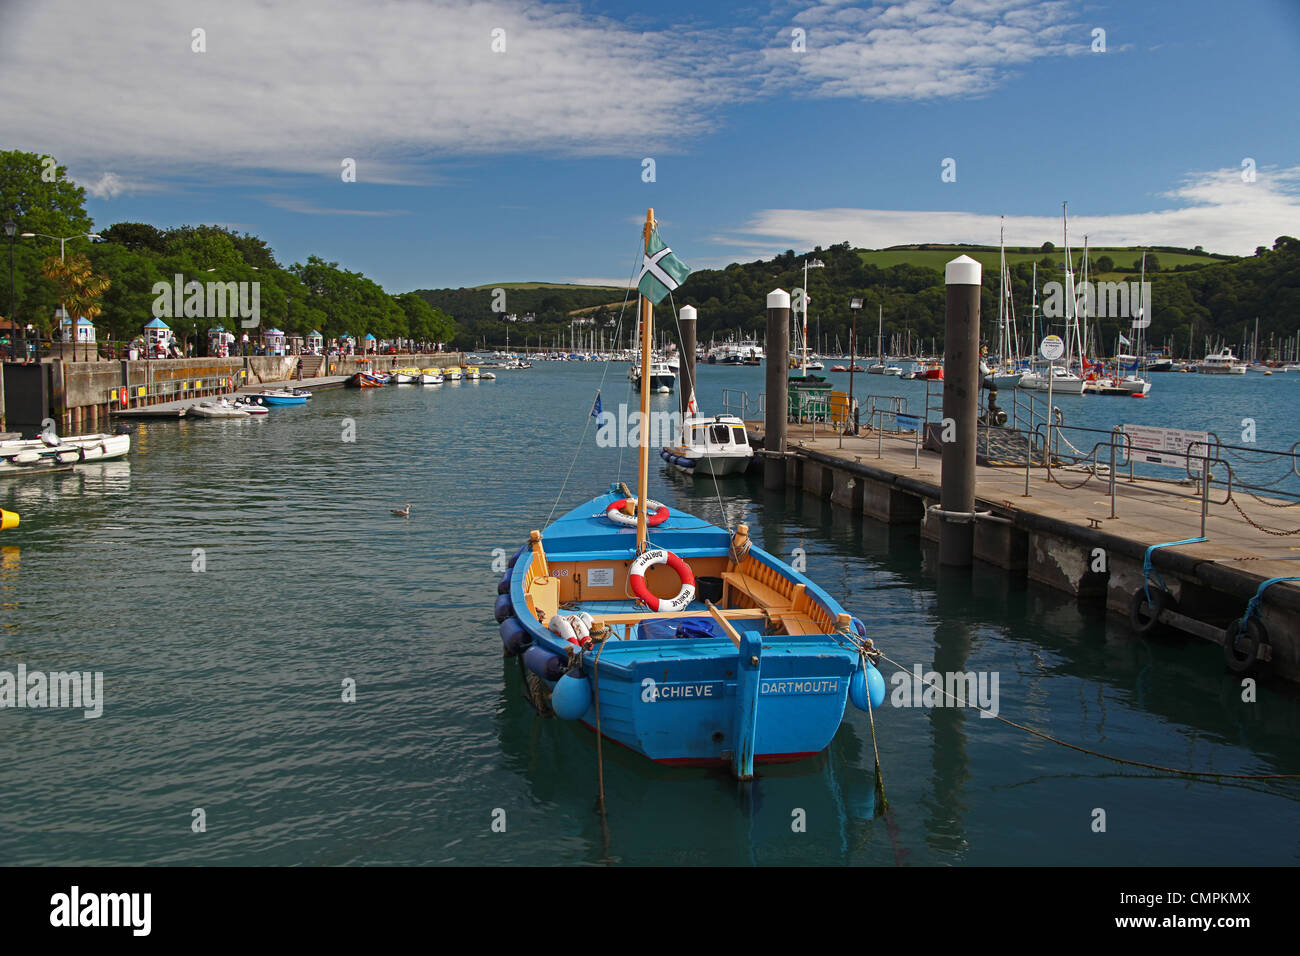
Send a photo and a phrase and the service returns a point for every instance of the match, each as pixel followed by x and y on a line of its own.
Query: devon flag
pixel 661 271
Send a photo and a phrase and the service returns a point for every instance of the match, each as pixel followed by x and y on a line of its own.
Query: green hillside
pixel 1124 258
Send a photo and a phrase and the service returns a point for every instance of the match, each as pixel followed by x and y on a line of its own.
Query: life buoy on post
pixel 657 516
pixel 654 556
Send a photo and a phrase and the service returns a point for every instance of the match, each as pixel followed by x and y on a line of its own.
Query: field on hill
pixel 934 257
pixel 546 285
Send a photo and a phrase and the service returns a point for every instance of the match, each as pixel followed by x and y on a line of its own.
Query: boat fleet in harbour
pixel 420 376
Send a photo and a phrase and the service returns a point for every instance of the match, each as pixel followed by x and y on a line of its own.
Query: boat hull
pixel 687 700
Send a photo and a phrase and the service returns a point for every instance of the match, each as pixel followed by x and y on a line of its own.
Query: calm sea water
pixel 224 686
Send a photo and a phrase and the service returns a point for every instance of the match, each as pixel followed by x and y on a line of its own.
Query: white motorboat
pixel 52 452
pixel 217 409
pixel 1222 362
pixel 662 376
pixel 711 445
pixel 1063 381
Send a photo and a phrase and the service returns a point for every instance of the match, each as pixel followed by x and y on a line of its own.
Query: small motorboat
pixel 472 373
pixel 217 409
pixel 51 453
pixel 488 376
pixel 431 376
pixel 710 445
pixel 286 396
pixel 405 376
pixel 452 374
pixel 252 406
pixel 95 447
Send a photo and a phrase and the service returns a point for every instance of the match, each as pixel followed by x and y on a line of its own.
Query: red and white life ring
pixel 657 516
pixel 660 556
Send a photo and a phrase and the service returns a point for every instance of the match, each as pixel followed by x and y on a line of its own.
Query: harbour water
pixel 225 667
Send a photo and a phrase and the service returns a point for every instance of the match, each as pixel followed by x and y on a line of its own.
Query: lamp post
pixel 62 241
pixel 10 228
pixel 855 305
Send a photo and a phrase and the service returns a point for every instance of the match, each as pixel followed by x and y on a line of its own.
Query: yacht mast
pixel 643 450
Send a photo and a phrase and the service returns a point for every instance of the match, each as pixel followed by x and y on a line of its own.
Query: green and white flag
pixel 661 271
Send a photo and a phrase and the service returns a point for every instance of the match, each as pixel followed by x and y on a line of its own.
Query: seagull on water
pixel 403 512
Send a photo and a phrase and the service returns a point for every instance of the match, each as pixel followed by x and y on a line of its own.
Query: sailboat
pixel 1010 369
pixel 1059 379
pixel 748 662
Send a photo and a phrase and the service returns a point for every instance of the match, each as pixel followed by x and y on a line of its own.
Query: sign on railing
pixel 1172 447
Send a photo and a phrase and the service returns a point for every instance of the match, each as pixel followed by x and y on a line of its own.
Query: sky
pixel 520 141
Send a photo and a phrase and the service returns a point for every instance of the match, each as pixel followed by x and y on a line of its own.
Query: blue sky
pixel 476 166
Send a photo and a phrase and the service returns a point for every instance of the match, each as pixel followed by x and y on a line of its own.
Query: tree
pixel 1153 263
pixel 136 236
pixel 34 191
pixel 80 287
pixel 1105 264
pixel 1047 247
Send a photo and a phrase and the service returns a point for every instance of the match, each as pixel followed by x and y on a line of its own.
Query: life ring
pixel 1160 600
pixel 660 556
pixel 658 512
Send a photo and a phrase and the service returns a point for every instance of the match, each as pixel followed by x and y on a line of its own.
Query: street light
pixel 855 304
pixel 10 228
pixel 62 241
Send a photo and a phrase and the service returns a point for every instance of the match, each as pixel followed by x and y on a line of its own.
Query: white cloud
pixel 291 204
pixel 107 186
pixel 297 85
pixel 920 49
pixel 300 84
pixel 1215 210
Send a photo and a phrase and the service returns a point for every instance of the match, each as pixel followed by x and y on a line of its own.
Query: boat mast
pixel 643 450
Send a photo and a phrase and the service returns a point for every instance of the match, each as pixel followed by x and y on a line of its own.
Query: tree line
pixel 112 281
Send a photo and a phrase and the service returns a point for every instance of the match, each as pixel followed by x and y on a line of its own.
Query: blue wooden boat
pixel 281 398
pixel 749 662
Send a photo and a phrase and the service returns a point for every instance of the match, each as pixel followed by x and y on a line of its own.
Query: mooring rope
pixel 1097 753
pixel 600 756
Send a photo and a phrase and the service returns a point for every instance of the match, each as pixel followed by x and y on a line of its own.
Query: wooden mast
pixel 643 452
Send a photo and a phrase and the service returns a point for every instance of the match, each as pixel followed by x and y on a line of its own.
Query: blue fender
pixel 514 636
pixel 867 685
pixel 571 697
pixel 544 664
pixel 515 557
pixel 503 586
pixel 504 608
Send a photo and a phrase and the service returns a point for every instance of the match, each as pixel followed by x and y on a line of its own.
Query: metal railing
pixel 138 395
pixel 736 401
pixel 905 425
pixel 1204 464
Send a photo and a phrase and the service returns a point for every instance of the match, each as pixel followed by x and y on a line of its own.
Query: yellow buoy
pixel 7 520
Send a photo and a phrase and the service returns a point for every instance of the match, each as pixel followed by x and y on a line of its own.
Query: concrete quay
pixel 1061 534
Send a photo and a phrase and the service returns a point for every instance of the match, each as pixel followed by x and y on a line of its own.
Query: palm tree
pixel 80 288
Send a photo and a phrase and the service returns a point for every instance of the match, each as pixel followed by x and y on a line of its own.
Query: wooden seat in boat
pixel 796 623
pixel 761 594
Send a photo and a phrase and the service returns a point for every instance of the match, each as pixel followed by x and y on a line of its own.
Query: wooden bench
pixel 761 594
pixel 795 623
